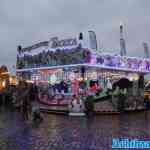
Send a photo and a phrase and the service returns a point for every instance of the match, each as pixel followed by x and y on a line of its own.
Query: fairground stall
pixel 62 68
pixel 4 77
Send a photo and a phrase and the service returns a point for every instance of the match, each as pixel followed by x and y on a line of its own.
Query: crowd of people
pixel 23 98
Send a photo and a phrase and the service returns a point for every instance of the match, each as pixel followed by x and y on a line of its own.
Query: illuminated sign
pixel 63 43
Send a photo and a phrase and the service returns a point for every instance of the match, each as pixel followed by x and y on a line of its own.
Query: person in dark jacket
pixel 25 101
pixel 147 102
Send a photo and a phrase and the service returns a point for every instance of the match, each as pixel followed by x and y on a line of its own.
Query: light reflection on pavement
pixel 70 133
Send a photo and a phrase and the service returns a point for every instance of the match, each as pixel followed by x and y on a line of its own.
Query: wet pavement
pixel 70 133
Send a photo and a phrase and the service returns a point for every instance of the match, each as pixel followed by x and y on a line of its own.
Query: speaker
pixel 19 49
pixel 81 36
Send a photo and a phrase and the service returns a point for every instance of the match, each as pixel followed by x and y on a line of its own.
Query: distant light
pixel 10 79
pixel 29 81
pixel 4 84
pixel 133 77
pixel 80 79
pixel 3 73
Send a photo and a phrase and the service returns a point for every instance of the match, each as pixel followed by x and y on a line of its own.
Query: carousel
pixel 63 69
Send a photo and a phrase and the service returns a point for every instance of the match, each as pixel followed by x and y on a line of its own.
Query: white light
pixel 29 81
pixel 80 79
pixel 133 77
pixel 130 78
pixel 93 75
pixel 53 79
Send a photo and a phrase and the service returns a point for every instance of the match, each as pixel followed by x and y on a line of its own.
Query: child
pixel 76 104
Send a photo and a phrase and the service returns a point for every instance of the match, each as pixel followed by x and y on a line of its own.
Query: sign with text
pixel 55 42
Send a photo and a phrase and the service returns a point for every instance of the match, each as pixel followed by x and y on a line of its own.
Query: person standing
pixel 76 105
pixel 1 99
pixel 25 101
